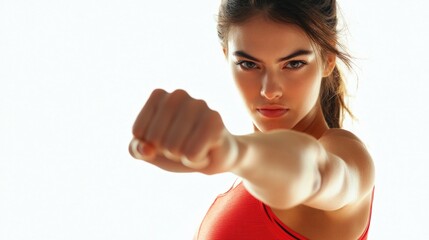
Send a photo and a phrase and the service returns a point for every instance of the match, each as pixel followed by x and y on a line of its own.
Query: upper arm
pixel 347 172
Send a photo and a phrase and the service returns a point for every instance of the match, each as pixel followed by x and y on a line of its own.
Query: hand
pixel 179 133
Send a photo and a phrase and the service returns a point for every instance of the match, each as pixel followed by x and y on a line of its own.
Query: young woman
pixel 303 177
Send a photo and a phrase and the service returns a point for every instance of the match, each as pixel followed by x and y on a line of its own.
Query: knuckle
pixel 202 103
pixel 155 98
pixel 158 93
pixel 199 104
pixel 180 93
pixel 213 116
pixel 177 98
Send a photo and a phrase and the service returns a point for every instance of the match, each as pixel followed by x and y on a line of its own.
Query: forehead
pixel 260 35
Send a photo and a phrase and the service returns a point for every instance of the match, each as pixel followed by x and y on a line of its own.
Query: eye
pixel 246 65
pixel 295 64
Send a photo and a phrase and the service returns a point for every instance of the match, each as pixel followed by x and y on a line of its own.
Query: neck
pixel 314 123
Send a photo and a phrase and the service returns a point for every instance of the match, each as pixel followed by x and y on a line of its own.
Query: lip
pixel 272 111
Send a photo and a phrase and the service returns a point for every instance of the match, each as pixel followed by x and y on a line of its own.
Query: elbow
pixel 305 181
pixel 339 186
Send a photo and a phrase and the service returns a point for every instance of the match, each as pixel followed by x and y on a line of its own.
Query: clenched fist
pixel 179 133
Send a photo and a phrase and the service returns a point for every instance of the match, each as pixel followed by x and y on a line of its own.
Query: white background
pixel 74 75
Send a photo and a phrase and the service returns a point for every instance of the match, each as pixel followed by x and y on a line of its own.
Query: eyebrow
pixel 299 52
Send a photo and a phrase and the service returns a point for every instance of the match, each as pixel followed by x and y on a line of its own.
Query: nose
pixel 271 88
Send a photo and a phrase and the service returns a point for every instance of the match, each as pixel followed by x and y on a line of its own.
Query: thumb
pixel 141 150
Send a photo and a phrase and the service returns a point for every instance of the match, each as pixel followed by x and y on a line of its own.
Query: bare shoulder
pixel 347 146
pixel 341 139
pixel 340 133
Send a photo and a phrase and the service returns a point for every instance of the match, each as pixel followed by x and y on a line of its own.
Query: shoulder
pixel 341 138
pixel 340 133
pixel 352 150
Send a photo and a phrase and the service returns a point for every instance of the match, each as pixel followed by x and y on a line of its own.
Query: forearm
pixel 281 168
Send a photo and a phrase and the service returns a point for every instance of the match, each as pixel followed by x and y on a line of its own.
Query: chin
pixel 265 127
pixel 262 124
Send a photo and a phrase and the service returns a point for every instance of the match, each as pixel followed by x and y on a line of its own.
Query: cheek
pixel 246 84
pixel 307 86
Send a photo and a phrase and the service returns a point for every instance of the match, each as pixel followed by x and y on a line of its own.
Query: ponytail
pixel 332 95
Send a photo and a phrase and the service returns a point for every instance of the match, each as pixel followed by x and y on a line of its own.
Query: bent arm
pixel 286 168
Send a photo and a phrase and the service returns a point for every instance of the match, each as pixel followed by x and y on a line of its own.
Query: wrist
pixel 239 150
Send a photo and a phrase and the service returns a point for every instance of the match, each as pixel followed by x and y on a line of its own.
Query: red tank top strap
pixel 278 226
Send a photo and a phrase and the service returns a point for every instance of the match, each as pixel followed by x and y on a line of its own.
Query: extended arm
pixel 285 168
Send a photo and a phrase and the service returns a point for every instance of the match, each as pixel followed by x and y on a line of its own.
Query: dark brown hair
pixel 318 19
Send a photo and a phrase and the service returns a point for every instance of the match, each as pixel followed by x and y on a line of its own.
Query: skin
pixel 317 180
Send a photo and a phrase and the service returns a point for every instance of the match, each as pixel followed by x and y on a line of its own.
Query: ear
pixel 225 52
pixel 330 64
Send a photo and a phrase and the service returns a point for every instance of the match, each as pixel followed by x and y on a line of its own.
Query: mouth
pixel 272 111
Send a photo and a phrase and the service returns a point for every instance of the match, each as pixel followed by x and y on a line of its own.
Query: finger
pixel 146 114
pixel 182 126
pixel 171 155
pixel 167 111
pixel 197 165
pixel 148 153
pixel 168 165
pixel 203 137
pixel 140 150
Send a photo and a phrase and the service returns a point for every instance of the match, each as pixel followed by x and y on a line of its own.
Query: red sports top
pixel 236 214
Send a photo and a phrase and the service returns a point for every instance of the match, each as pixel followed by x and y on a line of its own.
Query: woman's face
pixel 277 71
